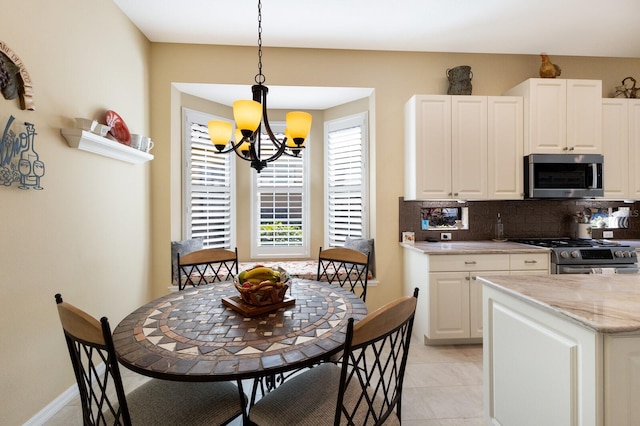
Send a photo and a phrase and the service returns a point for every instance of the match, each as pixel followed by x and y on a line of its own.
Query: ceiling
pixel 557 27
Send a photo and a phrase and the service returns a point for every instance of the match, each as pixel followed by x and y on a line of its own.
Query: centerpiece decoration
pixel 262 286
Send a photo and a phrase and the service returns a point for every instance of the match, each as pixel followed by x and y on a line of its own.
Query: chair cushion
pixel 164 402
pixel 309 399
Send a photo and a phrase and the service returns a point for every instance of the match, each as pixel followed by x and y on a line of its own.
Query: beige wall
pixel 98 235
pixel 394 76
pixel 87 234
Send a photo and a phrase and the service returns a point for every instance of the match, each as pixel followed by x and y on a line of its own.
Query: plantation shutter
pixel 346 185
pixel 209 190
pixel 280 189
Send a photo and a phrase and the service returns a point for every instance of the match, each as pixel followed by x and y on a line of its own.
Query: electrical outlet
pixel 607 234
pixel 445 236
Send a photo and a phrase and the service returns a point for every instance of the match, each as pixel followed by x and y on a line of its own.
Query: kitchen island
pixel 562 350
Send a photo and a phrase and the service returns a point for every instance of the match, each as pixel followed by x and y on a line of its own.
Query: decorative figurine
pixel 627 90
pixel 459 80
pixel 547 69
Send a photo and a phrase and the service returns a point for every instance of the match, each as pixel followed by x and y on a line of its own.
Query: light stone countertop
pixel 606 303
pixel 472 247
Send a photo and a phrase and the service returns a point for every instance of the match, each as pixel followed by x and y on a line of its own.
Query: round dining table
pixel 191 335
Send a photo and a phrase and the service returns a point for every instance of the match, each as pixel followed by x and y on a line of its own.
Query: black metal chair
pixel 365 389
pixel 215 263
pixel 156 402
pixel 347 267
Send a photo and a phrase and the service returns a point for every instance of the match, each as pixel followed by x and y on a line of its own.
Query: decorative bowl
pixel 86 124
pixel 268 291
pixel 101 129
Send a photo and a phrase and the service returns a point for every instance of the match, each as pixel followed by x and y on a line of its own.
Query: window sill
pixel 87 141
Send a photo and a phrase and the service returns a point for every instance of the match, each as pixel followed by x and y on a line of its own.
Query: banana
pixel 262 273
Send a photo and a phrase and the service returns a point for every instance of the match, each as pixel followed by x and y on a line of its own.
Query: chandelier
pixel 249 115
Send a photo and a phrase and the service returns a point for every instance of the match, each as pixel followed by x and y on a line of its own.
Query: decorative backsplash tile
pixel 521 219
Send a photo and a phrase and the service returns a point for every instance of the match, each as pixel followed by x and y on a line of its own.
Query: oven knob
pixel 575 254
pixel 633 254
pixel 627 254
pixel 564 254
pixel 618 253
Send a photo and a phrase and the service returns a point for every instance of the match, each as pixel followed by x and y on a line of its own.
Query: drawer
pixel 471 262
pixel 526 261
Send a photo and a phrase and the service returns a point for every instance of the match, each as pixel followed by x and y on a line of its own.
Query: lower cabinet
pixel 450 301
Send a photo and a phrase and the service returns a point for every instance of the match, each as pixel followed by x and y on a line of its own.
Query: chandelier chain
pixel 260 78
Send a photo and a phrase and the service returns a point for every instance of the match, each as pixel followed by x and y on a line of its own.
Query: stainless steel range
pixel 570 256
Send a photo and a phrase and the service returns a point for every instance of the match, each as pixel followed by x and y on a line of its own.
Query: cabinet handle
pixel 565 149
pixel 455 194
pixel 572 148
pixel 473 278
pixel 450 194
pixel 469 262
pixel 530 261
pixel 466 278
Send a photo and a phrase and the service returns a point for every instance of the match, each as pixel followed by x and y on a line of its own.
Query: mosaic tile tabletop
pixel 191 335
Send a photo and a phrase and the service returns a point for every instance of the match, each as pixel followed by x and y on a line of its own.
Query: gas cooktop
pixel 565 242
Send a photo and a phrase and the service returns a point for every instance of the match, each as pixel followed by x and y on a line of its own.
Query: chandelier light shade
pixel 251 115
pixel 220 133
pixel 248 115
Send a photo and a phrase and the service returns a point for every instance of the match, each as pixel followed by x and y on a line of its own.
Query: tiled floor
pixel 443 387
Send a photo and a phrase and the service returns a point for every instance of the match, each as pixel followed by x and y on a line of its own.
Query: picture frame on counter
pixel 409 237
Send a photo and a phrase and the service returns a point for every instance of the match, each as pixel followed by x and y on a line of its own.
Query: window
pixel 346 182
pixel 208 190
pixel 279 203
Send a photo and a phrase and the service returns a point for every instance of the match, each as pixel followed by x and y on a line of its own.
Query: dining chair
pixel 347 267
pixel 364 389
pixel 216 263
pixel 165 402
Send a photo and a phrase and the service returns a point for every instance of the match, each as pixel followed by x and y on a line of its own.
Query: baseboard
pixel 59 403
pixel 53 407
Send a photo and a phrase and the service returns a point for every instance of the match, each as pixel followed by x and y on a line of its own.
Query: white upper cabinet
pixel 621 148
pixel 427 147
pixel 446 147
pixel 634 149
pixel 615 148
pixel 561 116
pixel 505 147
pixel 463 147
pixel 469 147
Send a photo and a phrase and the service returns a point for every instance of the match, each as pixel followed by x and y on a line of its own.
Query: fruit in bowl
pixel 262 285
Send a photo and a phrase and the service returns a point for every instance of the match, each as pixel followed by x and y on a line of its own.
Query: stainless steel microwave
pixel 563 176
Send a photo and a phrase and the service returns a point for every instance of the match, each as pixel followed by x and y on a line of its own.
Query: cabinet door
pixel 584 116
pixel 621 380
pixel 475 301
pixel 615 148
pixel 469 147
pixel 428 147
pixel 547 116
pixel 449 305
pixel 505 147
pixel 634 148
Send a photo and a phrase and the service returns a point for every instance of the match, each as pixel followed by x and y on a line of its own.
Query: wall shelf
pixel 87 141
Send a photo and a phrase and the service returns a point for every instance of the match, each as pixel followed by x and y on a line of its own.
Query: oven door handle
pixel 633 270
pixel 570 270
pixel 589 270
